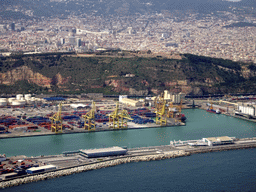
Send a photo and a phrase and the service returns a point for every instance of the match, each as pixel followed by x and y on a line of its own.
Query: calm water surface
pixel 219 171
pixel 199 124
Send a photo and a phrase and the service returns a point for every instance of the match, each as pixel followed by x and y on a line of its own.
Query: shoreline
pixel 86 131
pixel 140 155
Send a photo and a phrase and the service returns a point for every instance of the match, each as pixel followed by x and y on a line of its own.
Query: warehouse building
pixel 218 140
pixel 104 152
pixel 132 102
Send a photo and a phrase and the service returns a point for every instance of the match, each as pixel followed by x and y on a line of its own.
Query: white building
pixel 132 102
pixel 218 140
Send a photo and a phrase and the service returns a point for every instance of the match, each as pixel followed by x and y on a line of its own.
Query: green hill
pixel 125 75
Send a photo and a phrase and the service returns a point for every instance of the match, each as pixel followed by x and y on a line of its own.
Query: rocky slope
pixel 127 75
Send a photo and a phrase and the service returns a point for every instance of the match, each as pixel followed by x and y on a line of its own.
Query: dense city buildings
pixel 221 35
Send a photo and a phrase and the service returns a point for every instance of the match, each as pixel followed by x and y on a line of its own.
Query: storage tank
pixel 3 100
pixel 27 96
pixel 173 98
pixel 3 103
pixel 247 110
pixel 11 99
pixel 18 103
pixel 19 96
pixel 30 101
pixel 178 98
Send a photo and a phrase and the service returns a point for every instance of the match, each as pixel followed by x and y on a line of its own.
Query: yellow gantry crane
pixel 89 119
pixel 170 110
pixel 179 107
pixel 114 118
pixel 119 119
pixel 124 116
pixel 160 111
pixel 56 121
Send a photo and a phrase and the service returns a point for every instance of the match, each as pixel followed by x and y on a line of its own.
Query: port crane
pixel 160 111
pixel 114 118
pixel 170 110
pixel 179 107
pixel 124 116
pixel 56 121
pixel 89 119
pixel 119 119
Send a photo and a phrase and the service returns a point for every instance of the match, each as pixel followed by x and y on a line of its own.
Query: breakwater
pixel 135 155
pixel 93 166
pixel 221 148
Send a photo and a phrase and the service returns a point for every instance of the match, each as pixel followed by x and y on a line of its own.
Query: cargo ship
pixel 213 111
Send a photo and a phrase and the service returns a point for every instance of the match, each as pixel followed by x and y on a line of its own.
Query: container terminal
pixel 21 169
pixel 27 115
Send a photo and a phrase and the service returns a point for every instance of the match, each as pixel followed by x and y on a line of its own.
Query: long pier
pixel 76 162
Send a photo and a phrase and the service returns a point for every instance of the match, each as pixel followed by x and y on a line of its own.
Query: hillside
pixel 124 74
pixel 62 9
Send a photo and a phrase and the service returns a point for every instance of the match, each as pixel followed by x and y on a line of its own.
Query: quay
pixel 75 162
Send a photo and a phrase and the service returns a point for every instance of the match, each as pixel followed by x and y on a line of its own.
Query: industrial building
pixel 246 110
pixel 104 152
pixel 218 140
pixel 132 102
pixel 174 98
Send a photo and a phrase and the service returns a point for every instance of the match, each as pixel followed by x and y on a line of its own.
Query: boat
pixel 213 111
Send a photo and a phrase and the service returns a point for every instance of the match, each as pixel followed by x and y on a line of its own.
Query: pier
pixel 76 162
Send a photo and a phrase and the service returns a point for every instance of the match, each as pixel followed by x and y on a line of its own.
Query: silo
pixel 18 103
pixel 178 98
pixel 3 102
pixel 27 96
pixel 173 99
pixel 19 96
pixel 11 99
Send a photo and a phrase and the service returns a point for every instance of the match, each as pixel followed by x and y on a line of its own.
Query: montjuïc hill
pixel 124 72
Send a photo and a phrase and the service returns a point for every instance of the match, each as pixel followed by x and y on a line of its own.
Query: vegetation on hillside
pixel 95 74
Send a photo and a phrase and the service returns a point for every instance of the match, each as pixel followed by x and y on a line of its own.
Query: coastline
pixel 148 156
pixel 86 131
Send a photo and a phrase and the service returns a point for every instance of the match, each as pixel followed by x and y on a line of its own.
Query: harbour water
pixel 199 124
pixel 218 171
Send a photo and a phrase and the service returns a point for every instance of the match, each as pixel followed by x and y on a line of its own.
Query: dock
pixel 75 162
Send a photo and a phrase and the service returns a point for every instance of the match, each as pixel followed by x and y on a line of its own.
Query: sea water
pixel 199 124
pixel 218 171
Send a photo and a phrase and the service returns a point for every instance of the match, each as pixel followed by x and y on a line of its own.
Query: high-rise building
pixel 62 41
pixel 78 42
pixel 12 26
